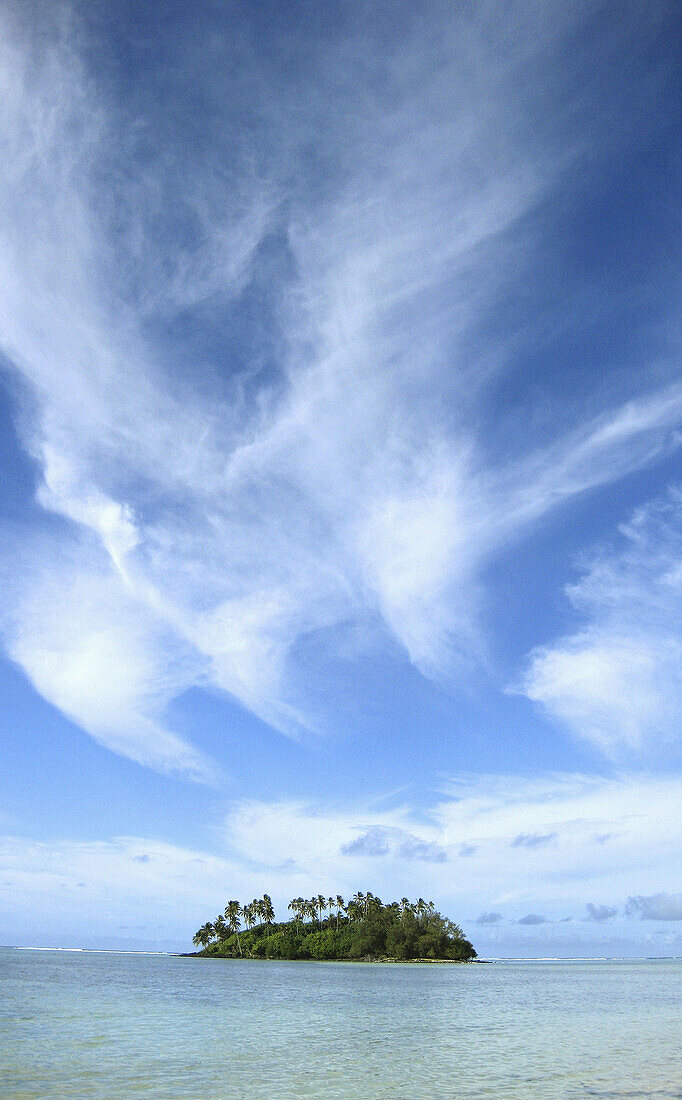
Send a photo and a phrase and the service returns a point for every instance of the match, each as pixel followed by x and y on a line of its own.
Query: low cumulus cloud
pixel 600 913
pixel 372 843
pixel 280 847
pixel 545 878
pixel 382 842
pixel 422 851
pixel 656 907
pixel 467 850
pixel 532 840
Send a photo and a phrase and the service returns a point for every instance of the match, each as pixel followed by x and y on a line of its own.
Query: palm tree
pixel 250 914
pixel 404 905
pixel 202 937
pixel 340 904
pixel 321 905
pixel 359 900
pixel 233 912
pixel 330 905
pixel 372 903
pixel 267 911
pixel 420 907
pixel 219 927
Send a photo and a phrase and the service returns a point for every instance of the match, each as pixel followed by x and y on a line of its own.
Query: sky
pixel 340 484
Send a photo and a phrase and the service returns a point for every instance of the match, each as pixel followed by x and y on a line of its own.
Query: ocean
pixel 109 1025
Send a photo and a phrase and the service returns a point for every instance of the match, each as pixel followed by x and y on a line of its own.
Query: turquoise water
pixel 120 1025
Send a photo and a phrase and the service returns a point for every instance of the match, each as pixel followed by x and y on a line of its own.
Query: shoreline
pixel 383 960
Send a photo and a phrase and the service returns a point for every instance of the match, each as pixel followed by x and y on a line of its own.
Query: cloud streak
pixel 211 520
pixel 531 840
pixel 616 681
pixel 359 842
pixel 294 848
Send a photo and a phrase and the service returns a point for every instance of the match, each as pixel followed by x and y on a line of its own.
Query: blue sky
pixel 340 495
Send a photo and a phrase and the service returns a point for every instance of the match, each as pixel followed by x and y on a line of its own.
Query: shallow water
pixel 121 1025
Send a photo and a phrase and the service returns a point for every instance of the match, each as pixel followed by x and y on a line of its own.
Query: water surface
pixel 120 1025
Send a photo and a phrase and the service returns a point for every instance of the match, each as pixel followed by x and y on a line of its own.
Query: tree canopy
pixel 361 928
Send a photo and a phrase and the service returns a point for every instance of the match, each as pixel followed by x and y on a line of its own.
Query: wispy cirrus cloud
pixel 218 516
pixel 108 665
pixel 616 681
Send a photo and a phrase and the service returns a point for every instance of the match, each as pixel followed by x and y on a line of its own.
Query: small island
pixel 362 929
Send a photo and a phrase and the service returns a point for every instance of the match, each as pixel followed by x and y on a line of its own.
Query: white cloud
pixel 489 918
pixel 491 812
pixel 80 890
pixel 600 913
pixel 605 448
pixel 88 649
pixel 242 514
pixel 488 814
pixel 292 848
pixel 657 907
pixel 617 681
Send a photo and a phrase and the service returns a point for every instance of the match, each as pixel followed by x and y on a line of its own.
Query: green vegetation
pixel 363 928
